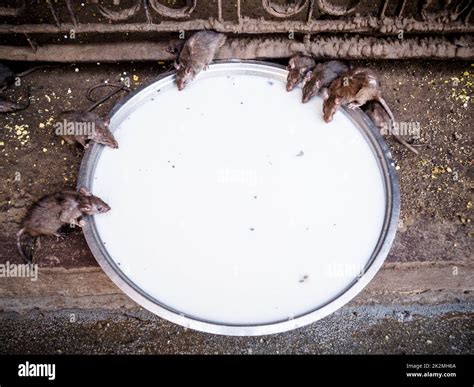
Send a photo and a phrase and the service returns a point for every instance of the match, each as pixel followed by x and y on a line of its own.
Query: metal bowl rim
pixel 387 236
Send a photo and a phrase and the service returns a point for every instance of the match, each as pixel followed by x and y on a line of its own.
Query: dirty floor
pixel 436 185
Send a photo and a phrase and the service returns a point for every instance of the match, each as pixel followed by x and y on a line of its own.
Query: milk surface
pixel 234 203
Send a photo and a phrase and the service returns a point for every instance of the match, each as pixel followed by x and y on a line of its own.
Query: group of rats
pixel 338 83
pixel 67 207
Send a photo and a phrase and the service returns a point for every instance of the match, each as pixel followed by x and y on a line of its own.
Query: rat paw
pixel 81 223
pixel 352 105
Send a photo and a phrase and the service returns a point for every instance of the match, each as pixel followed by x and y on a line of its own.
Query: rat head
pixel 293 79
pixel 330 106
pixel 91 205
pixel 311 87
pixel 184 74
pixel 296 72
pixel 102 134
pixel 293 75
pixel 298 67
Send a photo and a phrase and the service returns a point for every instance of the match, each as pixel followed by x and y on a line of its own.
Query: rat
pixel 353 88
pixel 7 106
pixel 7 76
pixel 298 66
pixel 321 77
pixel 196 55
pixel 381 119
pixel 84 125
pixel 51 212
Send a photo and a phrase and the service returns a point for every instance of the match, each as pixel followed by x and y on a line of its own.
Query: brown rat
pixel 7 106
pixel 381 119
pixel 7 76
pixel 353 88
pixel 321 77
pixel 378 115
pixel 196 55
pixel 50 213
pixel 298 66
pixel 81 126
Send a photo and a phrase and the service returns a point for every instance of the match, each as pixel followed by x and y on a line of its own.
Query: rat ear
pixel 176 65
pixel 373 81
pixel 107 121
pixel 85 208
pixel 84 191
pixel 190 44
pixel 308 75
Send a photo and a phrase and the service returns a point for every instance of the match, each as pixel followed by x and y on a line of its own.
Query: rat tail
pixel 118 89
pixel 26 258
pixel 403 142
pixel 392 118
pixel 387 109
pixel 32 69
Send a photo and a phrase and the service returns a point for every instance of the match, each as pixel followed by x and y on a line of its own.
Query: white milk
pixel 233 202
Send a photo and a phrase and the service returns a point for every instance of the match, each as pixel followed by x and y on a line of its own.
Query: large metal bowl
pixel 278 73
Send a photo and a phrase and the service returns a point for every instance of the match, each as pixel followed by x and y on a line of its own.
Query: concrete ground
pixel 420 302
pixel 79 311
